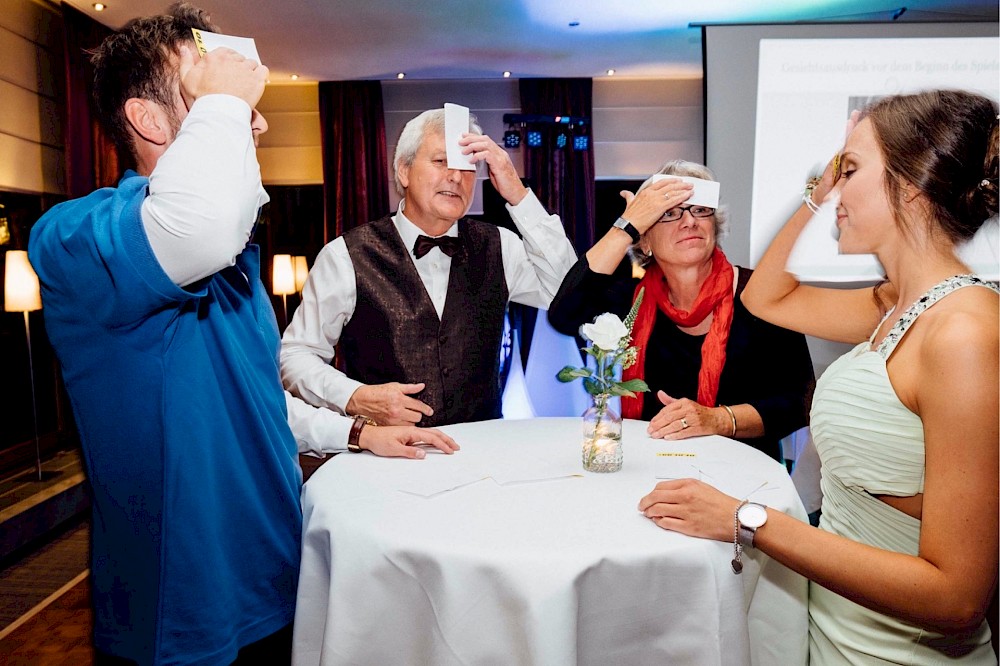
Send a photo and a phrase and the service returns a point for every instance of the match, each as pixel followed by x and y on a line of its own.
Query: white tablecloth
pixel 558 569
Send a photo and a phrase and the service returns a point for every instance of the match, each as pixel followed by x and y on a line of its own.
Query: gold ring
pixel 684 424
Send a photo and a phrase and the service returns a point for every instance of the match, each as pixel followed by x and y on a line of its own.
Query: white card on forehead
pixel 209 41
pixel 456 123
pixel 706 192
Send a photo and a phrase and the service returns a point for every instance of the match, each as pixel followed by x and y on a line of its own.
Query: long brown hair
pixel 943 143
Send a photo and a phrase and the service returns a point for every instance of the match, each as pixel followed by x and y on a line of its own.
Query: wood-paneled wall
pixel 641 123
pixel 31 89
pixel 290 152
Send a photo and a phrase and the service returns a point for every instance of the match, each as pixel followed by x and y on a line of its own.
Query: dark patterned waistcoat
pixel 395 334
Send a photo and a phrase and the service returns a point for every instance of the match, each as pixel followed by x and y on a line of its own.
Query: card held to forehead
pixel 706 192
pixel 209 41
pixel 456 123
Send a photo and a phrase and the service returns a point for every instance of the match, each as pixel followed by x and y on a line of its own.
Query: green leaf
pixel 592 387
pixel 569 373
pixel 630 318
pixel 634 385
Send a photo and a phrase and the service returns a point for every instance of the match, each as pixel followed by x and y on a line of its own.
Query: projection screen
pixel 776 101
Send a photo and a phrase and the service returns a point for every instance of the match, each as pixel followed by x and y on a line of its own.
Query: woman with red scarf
pixel 712 367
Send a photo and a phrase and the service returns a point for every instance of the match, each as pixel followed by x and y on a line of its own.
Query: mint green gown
pixel 871 444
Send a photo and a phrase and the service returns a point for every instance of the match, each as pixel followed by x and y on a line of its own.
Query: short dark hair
pixel 135 62
pixel 943 142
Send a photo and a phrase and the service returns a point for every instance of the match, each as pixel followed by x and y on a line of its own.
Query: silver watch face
pixel 752 515
pixel 621 222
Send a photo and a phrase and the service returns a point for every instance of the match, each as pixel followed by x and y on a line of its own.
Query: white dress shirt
pixel 198 218
pixel 534 267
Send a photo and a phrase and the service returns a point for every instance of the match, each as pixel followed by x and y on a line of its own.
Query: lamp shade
pixel 282 275
pixel 301 272
pixel 20 284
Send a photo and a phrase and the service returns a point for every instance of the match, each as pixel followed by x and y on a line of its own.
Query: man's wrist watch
pixel 750 517
pixel 354 437
pixel 626 226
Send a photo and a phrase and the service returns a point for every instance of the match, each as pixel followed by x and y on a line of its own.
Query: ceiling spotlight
pixel 506 75
pixel 99 6
pixel 574 24
pixel 534 139
pixel 401 75
pixel 611 72
pixel 511 139
pixel 295 77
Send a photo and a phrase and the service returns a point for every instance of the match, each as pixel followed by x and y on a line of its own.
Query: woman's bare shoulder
pixel 967 320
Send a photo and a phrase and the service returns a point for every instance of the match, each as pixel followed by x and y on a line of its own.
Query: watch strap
pixel 746 535
pixel 627 227
pixel 354 437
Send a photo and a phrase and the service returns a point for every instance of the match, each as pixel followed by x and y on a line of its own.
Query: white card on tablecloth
pixel 456 123
pixel 706 192
pixel 524 470
pixel 672 465
pixel 440 473
pixel 726 477
pixel 209 41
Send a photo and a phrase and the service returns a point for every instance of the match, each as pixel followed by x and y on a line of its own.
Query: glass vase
pixel 602 437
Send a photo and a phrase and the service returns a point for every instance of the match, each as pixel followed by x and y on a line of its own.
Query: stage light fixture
pixel 534 139
pixel 561 140
pixel 511 139
pixel 581 142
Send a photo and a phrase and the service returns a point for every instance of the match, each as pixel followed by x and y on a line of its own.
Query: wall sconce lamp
pixel 21 294
pixel 283 279
pixel 301 272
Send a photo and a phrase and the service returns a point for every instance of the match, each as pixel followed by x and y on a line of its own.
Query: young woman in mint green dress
pixel 904 563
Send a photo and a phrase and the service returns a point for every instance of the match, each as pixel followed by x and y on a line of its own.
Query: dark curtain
pixel 91 159
pixel 562 178
pixel 355 175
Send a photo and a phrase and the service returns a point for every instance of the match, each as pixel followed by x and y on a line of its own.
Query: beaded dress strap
pixel 933 295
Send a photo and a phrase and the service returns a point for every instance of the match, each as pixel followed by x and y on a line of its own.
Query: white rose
pixel 606 332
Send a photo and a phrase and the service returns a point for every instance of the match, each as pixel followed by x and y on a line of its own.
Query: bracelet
pixel 732 416
pixel 354 437
pixel 807 198
pixel 737 546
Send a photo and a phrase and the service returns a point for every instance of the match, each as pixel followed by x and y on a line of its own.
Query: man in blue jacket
pixel 169 349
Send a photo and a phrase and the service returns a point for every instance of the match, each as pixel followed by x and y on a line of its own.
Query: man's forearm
pixel 205 191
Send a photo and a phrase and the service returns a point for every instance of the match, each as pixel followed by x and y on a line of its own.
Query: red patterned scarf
pixel 715 297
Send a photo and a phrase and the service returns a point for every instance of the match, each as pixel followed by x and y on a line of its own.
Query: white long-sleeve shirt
pixel 533 269
pixel 204 194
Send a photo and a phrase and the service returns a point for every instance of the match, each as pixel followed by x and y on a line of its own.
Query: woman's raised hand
pixel 642 210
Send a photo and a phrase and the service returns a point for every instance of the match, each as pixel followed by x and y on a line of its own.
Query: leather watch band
pixel 354 437
pixel 627 227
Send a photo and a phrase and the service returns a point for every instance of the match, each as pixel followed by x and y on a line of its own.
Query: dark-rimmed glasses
pixel 677 212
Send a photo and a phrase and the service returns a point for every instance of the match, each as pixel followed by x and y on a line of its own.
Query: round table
pixel 507 552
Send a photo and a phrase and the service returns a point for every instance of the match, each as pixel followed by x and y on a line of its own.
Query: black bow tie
pixel 450 245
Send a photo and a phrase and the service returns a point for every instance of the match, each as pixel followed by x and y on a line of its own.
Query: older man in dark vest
pixel 416 300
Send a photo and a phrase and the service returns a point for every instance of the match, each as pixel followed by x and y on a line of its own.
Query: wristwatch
pixel 750 516
pixel 354 437
pixel 626 226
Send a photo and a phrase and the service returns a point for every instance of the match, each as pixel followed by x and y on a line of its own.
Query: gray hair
pixel 693 170
pixel 430 121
